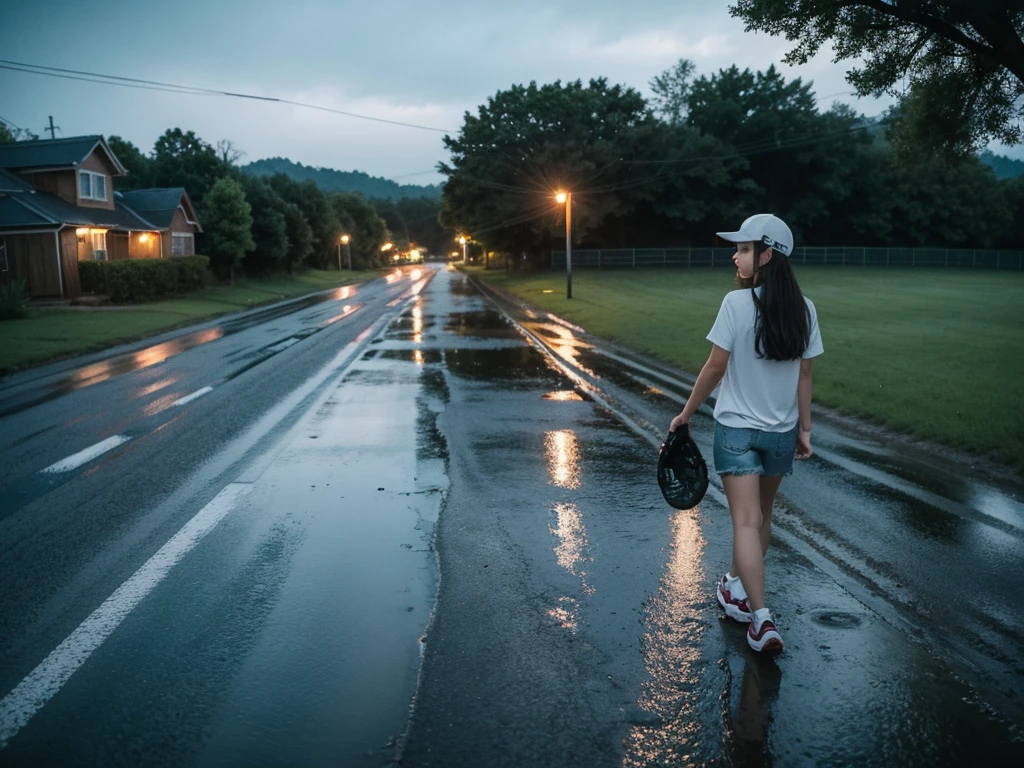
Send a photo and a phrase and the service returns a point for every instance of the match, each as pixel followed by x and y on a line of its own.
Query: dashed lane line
pixel 85 456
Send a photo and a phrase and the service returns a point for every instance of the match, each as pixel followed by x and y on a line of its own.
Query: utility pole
pixel 52 129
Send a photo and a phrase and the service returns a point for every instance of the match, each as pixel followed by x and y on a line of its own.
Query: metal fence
pixel 611 258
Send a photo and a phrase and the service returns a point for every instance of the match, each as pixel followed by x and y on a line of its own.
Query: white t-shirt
pixel 756 393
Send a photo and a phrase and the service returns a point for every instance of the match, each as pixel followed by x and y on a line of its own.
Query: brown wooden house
pixel 170 210
pixel 58 207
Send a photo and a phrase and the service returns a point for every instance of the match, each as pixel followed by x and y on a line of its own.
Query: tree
pixel 139 166
pixel 269 226
pixel 300 232
pixel 949 205
pixel 672 91
pixel 963 59
pixel 228 153
pixel 415 219
pixel 182 159
pixel 800 160
pixel 360 221
pixel 323 223
pixel 227 219
pixel 529 141
pixel 1013 192
pixel 10 134
pixel 300 236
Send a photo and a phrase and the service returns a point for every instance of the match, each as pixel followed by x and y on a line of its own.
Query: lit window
pixel 99 244
pixel 92 186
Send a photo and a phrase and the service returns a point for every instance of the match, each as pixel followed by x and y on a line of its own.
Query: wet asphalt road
pixel 429 509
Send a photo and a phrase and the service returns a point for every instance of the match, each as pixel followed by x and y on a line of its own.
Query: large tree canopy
pixel 182 159
pixel 963 59
pixel 530 141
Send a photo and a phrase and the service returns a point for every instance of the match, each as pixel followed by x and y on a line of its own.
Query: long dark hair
pixel 782 319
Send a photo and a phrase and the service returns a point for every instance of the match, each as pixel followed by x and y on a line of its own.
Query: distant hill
pixel 1003 167
pixel 331 180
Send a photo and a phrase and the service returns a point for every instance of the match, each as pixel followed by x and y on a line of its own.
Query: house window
pixel 99 244
pixel 92 186
pixel 183 244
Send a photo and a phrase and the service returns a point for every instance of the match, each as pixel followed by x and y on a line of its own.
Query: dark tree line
pixel 259 223
pixel 704 153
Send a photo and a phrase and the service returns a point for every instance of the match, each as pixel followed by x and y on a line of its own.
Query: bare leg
pixel 744 494
pixel 769 487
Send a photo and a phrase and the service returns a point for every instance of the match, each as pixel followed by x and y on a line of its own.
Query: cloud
pixel 414 62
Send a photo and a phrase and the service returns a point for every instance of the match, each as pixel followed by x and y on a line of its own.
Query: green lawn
pixel 937 353
pixel 51 333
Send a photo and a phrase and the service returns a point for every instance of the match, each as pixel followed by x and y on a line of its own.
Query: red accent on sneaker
pixel 735 608
pixel 766 638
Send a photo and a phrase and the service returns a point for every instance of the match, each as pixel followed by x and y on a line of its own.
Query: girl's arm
pixel 803 401
pixel 710 375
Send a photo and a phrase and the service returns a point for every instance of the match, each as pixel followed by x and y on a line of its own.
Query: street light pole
pixel 566 197
pixel 348 252
pixel 463 240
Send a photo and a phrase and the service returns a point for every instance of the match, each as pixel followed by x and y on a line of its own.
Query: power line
pixel 155 85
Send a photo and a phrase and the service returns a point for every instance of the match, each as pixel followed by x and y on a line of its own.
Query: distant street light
pixel 463 240
pixel 566 197
pixel 348 252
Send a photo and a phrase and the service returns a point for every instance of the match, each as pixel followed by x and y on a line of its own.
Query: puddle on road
pixel 513 365
pixel 489 323
pixel 463 287
pixel 418 356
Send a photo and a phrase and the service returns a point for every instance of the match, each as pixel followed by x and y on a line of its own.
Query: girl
pixel 762 345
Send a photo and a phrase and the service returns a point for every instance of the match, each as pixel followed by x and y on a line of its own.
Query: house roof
pixel 54 153
pixel 43 209
pixel 11 183
pixel 159 204
pixel 14 215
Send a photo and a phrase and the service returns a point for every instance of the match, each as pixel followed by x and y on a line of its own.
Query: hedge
pixel 138 280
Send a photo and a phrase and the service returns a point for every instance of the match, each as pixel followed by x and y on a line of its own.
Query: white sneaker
pixel 733 598
pixel 762 635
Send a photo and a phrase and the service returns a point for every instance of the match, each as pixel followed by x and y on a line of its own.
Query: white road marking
pixel 194 396
pixel 90 453
pixel 32 693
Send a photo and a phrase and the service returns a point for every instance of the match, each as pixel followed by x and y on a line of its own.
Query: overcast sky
pixel 417 62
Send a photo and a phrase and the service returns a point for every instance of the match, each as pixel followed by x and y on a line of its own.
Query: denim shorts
pixel 741 451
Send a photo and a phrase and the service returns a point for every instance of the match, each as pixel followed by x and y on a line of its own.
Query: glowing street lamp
pixel 566 197
pixel 463 239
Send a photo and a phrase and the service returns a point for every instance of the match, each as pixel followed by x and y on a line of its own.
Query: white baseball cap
pixel 764 228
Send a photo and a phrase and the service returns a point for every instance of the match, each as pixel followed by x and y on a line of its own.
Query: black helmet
pixel 682 473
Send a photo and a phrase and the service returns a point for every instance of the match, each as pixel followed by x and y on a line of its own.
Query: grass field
pixel 50 333
pixel 936 353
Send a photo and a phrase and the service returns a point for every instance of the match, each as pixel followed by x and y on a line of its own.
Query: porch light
pixel 82 231
pixel 144 237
